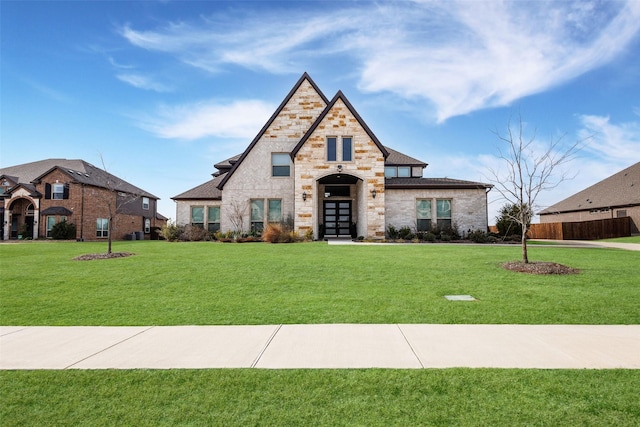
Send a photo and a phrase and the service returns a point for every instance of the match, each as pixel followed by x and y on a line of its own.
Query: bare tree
pixel 236 216
pixel 114 203
pixel 529 171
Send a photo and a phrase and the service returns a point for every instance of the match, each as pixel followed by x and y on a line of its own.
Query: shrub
pixel 392 233
pixel 63 231
pixel 171 232
pixel 405 233
pixel 279 233
pixel 479 236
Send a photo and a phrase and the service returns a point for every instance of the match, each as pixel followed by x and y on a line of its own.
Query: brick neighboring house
pixel 38 195
pixel 614 197
pixel 318 163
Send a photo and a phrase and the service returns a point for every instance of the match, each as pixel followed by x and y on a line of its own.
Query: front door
pixel 337 218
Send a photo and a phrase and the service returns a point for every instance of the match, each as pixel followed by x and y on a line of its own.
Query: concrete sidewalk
pixel 321 346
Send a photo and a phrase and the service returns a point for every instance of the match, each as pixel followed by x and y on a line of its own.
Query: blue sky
pixel 163 90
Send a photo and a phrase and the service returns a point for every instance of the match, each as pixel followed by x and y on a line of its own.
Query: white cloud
pixel 239 119
pixel 457 57
pixel 614 144
pixel 143 82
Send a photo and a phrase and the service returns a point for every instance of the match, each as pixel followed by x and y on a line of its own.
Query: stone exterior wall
pixel 468 207
pixel 633 212
pixel 368 165
pixel 253 179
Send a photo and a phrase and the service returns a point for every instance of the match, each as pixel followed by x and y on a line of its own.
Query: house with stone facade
pixel 318 165
pixel 617 196
pixel 35 196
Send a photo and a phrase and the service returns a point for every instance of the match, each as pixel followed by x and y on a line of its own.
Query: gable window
pixel 257 215
pixel 280 164
pixel 145 203
pixel 423 215
pixel 197 216
pixel 404 172
pixel 443 213
pixel 57 192
pixel 102 227
pixel 347 147
pixel 332 142
pixel 213 219
pixel 275 210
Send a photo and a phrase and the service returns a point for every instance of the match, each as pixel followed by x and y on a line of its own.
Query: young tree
pixel 528 171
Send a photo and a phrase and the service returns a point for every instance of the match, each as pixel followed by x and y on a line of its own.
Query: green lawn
pixel 451 397
pixel 254 283
pixel 212 283
pixel 632 239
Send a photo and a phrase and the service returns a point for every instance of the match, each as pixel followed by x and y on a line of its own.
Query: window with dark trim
pixel 423 214
pixel 347 149
pixel 257 215
pixel 332 142
pixel 213 219
pixel 280 164
pixel 102 227
pixel 443 212
pixel 145 203
pixel 197 216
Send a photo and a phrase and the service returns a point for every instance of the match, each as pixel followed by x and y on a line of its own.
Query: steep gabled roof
pixel 78 170
pixel 619 190
pixel 433 183
pixel 207 191
pixel 397 158
pixel 286 100
pixel 339 96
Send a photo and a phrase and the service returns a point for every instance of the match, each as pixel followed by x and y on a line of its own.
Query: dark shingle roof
pixel 433 183
pixel 228 163
pixel 397 158
pixel 207 191
pixel 620 189
pixel 78 170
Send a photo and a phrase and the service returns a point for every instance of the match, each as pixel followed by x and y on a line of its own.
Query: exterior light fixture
pixel 339 168
pixel 304 196
pixel 373 193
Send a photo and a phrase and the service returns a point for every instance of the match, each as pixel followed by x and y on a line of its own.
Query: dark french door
pixel 337 218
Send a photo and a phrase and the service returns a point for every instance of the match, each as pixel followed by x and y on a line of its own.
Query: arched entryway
pixel 338 205
pixel 21 219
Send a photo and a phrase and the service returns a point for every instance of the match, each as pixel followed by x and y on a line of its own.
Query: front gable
pixel 289 123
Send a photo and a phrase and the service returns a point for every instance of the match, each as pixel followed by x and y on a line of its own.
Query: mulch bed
pixel 90 257
pixel 539 267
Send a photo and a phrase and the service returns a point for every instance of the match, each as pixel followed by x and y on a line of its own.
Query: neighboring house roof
pixel 619 190
pixel 432 183
pixel 207 191
pixel 302 79
pixel 79 170
pixel 339 96
pixel 396 158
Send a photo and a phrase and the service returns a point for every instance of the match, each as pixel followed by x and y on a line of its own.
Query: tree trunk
pixel 110 231
pixel 525 256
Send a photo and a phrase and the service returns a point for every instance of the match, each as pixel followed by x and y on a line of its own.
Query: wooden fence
pixel 584 230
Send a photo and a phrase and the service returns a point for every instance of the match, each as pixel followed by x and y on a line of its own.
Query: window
pixel 257 215
pixel 58 191
pixel 346 148
pixel 51 221
pixel 390 172
pixel 337 191
pixel 145 203
pixel 213 219
pixel 404 172
pixel 331 149
pixel 280 164
pixel 102 227
pixel 443 213
pixel 397 171
pixel 423 215
pixel 197 216
pixel 147 225
pixel 275 210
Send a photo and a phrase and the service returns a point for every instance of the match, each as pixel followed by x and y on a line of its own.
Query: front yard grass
pixel 375 397
pixel 210 283
pixel 254 283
